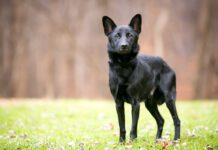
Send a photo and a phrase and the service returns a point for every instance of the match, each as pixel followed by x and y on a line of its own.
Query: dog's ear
pixel 136 22
pixel 108 25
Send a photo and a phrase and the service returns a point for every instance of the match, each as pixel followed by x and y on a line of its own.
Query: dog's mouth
pixel 124 50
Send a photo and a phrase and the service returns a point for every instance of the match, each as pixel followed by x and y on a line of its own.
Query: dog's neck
pixel 123 65
pixel 123 60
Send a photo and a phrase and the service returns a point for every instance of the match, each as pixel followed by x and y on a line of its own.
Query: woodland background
pixel 57 48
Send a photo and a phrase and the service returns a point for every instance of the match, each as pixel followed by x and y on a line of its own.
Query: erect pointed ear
pixel 136 22
pixel 108 25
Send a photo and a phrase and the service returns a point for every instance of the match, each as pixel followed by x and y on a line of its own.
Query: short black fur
pixel 135 78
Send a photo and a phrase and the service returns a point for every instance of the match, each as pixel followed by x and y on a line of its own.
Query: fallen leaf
pixel 101 116
pixel 165 144
pixel 177 147
pixel 208 147
pixel 81 145
pixel 148 128
pixel 128 147
pixel 116 133
pixel 190 133
pixel 107 148
pixel 72 144
pixel 108 126
pixel 87 137
pixel 216 130
pixel 166 137
pixel 94 143
pixel 184 144
pixel 23 135
pixel 61 148
pixel 11 136
pixel 11 131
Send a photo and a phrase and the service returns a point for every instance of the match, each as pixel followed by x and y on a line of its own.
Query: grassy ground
pixel 93 125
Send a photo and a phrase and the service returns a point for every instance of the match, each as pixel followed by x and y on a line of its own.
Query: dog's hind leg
pixel 153 109
pixel 172 108
pixel 169 87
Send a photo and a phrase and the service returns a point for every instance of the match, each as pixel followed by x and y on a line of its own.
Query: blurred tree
pixel 207 77
pixel 58 49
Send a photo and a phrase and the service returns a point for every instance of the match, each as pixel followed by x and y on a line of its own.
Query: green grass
pixel 84 124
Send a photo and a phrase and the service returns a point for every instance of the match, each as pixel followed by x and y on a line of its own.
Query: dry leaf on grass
pixel 72 144
pixel 108 126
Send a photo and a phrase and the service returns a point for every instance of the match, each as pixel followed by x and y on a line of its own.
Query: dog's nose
pixel 123 46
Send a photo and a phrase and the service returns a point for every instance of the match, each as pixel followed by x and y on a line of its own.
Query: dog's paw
pixel 159 140
pixel 132 138
pixel 176 141
pixel 122 140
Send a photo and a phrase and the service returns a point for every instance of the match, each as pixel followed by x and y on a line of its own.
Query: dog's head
pixel 122 39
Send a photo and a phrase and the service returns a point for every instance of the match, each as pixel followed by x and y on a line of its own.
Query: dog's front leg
pixel 121 119
pixel 135 118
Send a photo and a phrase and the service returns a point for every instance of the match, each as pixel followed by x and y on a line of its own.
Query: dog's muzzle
pixel 124 49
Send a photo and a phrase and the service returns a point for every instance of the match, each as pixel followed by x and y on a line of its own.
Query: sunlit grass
pixel 83 124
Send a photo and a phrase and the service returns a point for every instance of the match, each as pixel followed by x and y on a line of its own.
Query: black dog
pixel 135 78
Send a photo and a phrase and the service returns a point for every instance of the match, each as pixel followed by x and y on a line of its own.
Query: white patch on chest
pixel 152 91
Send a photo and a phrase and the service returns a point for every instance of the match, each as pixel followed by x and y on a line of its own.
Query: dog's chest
pixel 122 73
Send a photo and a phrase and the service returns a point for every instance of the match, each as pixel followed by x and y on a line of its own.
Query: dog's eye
pixel 128 35
pixel 117 35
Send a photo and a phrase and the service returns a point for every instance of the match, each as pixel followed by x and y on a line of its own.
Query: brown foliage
pixel 58 49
